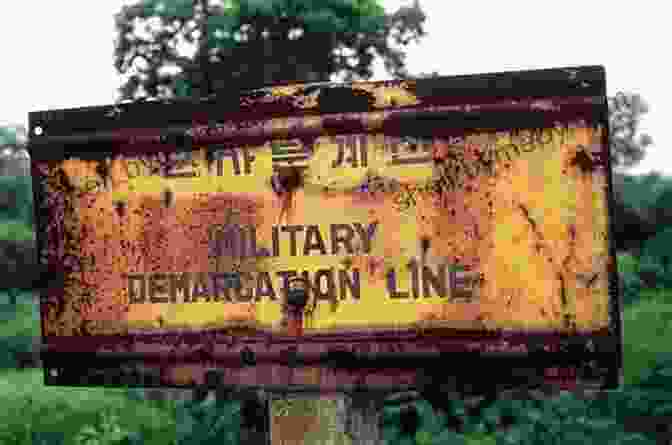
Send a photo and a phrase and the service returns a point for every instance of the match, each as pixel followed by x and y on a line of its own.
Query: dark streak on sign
pixel 563 289
pixel 529 219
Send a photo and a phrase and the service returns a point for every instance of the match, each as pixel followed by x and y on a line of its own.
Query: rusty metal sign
pixel 320 235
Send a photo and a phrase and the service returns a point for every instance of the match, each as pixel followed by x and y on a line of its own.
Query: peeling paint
pixel 460 229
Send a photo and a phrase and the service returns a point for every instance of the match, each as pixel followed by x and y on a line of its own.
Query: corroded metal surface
pixel 405 210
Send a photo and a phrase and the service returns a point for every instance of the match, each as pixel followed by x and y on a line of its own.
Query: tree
pixel 641 192
pixel 168 48
pixel 628 147
pixel 13 154
pixel 631 227
pixel 662 209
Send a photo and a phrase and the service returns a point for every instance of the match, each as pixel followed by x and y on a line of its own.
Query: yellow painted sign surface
pixel 505 230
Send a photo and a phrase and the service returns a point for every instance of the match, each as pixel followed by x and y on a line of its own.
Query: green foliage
pixel 31 413
pixel 559 420
pixel 659 248
pixel 628 146
pixel 630 283
pixel 647 327
pixel 265 42
pixel 209 422
pixel 646 272
pixel 20 325
pixel 653 273
pixel 562 419
pixel 16 231
pixel 640 205
pixel 107 431
pixel 641 192
pixel 12 136
pixel 16 199
pixel 662 208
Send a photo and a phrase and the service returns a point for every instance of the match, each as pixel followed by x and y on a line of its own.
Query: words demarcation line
pixel 327 284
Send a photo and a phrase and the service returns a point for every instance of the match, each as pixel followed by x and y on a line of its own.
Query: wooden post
pixel 363 413
pixel 310 419
pixel 333 419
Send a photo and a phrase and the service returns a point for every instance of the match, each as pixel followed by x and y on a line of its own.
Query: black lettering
pixel 351 142
pixel 326 276
pixel 539 134
pixel 265 286
pixel 179 282
pixel 392 144
pixel 314 241
pixel 485 162
pixel 133 168
pixel 529 148
pixel 470 168
pixel 337 238
pixel 229 241
pixel 348 282
pixel 525 138
pixel 405 199
pixel 524 141
pixel 392 286
pixel 461 283
pixel 248 158
pixel 454 166
pixel 364 149
pixel 248 294
pixel 415 277
pixel 253 242
pixel 513 134
pixel 431 281
pixel 233 154
pixel 90 185
pixel 560 132
pixel 200 288
pixel 506 150
pixel 286 275
pixel 305 276
pixel 133 297
pixel 276 241
pixel 366 235
pixel 340 142
pixel 221 286
pixel 446 180
pixel 214 247
pixel 242 243
pixel 292 237
pixel 158 285
pixel 175 161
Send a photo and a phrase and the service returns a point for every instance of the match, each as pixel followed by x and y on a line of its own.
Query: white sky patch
pixel 56 59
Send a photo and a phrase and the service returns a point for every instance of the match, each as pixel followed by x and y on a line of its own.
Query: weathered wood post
pixel 363 417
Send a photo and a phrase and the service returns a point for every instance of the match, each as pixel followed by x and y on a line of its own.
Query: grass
pixel 22 320
pixel 16 230
pixel 31 406
pixel 647 330
pixel 26 405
